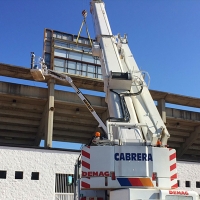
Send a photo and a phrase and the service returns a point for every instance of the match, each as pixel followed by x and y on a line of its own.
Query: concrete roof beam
pixel 188 142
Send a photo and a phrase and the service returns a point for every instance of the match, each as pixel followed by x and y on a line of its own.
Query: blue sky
pixel 164 35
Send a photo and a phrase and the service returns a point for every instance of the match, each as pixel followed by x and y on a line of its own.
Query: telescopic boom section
pixel 130 104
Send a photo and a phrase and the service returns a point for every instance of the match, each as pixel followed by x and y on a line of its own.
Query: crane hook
pixel 84 13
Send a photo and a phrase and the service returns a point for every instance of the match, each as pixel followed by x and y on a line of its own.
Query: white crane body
pixel 132 161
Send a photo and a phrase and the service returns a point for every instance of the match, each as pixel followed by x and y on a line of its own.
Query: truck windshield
pixel 174 197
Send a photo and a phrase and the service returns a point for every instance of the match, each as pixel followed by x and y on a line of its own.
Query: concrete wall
pixel 46 162
pixel 188 171
pixel 50 162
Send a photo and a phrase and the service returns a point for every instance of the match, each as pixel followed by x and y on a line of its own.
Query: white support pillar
pixel 50 114
pixel 161 109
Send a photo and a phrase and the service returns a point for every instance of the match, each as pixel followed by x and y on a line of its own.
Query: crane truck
pixel 129 159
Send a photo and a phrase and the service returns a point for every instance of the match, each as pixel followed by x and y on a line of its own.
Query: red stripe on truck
pixel 172 167
pixel 85 164
pixel 173 177
pixel 173 156
pixel 174 186
pixel 85 154
pixel 85 185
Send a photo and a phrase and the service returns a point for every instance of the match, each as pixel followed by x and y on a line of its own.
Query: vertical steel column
pixel 50 114
pixel 161 109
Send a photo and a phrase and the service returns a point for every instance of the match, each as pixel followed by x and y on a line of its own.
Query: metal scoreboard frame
pixel 63 54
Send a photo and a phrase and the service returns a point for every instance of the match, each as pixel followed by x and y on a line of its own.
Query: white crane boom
pixel 126 91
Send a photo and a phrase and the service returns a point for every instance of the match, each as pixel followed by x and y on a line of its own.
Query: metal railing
pixel 64 196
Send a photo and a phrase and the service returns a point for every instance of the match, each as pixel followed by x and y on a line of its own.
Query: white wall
pixel 188 171
pixel 46 162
